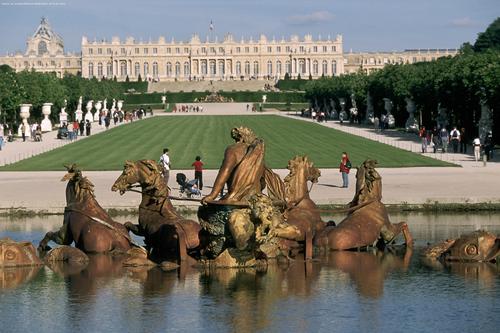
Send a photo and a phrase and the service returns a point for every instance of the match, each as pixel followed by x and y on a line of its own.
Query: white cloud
pixel 312 18
pixel 463 22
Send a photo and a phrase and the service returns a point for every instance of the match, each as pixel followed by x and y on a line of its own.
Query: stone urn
pixel 46 124
pixel 411 123
pixel 163 99
pixel 98 107
pixel 88 115
pixel 119 104
pixel 24 113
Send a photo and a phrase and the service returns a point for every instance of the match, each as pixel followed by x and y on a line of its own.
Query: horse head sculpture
pixel 145 173
pixel 302 170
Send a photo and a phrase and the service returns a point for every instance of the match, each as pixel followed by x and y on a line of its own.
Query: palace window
pixel 27 64
pixel 212 50
pixel 315 49
pixel 269 68
pixel 278 49
pixel 91 51
pixel 213 67
pixel 187 70
pixel 324 67
pixel 238 68
pixel 52 63
pixel 68 63
pixel 177 50
pixel 238 49
pixel 372 61
pixel 325 49
pixel 256 49
pixel 334 68
pixel 109 69
pixel 99 70
pixel 288 66
pixel 204 50
pixel 108 51
pixel 334 48
pixel 123 68
pixel 247 49
pixel 186 50
pixel 123 51
pixel 278 67
pixel 256 68
pixel 204 67
pixel 169 69
pixel 269 49
pixel 91 70
pixel 99 51
pixel 221 50
pixel 146 69
pixel 315 67
pixel 301 49
pixel 302 66
pixel 155 50
pixel 146 50
pixel 136 50
pixel 247 67
pixel 42 48
pixel 222 70
pixel 155 69
pixel 137 69
pixel 288 49
pixel 177 69
pixel 414 59
pixel 169 50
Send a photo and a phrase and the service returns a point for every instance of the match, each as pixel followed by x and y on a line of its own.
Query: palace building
pixel 229 59
pixel 44 53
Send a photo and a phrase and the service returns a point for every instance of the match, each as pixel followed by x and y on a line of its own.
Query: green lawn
pixel 188 136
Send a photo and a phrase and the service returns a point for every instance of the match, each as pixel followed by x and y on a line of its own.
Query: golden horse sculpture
pixel 367 221
pixel 86 223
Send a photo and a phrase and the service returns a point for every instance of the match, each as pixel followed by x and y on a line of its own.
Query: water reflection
pixel 13 277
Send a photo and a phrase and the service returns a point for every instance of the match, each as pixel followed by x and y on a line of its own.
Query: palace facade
pixel 44 53
pixel 229 59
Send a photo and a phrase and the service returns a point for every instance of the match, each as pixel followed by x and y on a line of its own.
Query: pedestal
pixel 46 124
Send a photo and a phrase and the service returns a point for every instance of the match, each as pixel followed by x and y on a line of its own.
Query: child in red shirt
pixel 198 171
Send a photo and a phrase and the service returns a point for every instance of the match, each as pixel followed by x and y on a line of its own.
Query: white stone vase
pixel 46 124
pixel 98 107
pixel 24 113
pixel 88 115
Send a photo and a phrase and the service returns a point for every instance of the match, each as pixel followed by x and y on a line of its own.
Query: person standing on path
pixel 477 149
pixel 165 162
pixel 345 167
pixel 1 136
pixel 82 127
pixel 463 141
pixel 198 171
pixel 88 126
pixel 455 139
pixel 445 138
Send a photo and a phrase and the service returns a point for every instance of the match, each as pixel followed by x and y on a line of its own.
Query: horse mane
pixel 79 188
pixel 294 165
pixel 368 184
pixel 154 181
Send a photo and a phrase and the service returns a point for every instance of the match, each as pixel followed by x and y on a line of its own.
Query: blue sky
pixel 366 25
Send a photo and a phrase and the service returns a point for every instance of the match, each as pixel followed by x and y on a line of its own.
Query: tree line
pixel 459 83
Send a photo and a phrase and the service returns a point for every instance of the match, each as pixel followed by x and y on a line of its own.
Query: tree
pixel 490 38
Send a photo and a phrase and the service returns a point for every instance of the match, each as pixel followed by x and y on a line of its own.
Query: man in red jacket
pixel 198 171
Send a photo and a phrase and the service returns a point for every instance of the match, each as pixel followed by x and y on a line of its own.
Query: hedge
pixel 237 96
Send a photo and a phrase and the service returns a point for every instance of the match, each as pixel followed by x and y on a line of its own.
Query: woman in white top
pixel 477 148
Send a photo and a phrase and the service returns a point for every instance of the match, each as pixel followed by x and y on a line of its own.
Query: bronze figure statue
pixel 367 222
pixel 165 231
pixel 86 223
pixel 477 246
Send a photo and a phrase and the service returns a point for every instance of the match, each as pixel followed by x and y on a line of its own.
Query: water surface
pixel 338 292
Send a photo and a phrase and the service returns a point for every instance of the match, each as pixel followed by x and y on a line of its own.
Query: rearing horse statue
pixel 300 210
pixel 85 222
pixel 166 232
pixel 367 221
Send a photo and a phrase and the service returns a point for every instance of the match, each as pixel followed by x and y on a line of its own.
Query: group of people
pixel 187 108
pixel 319 116
pixel 72 129
pixel 455 140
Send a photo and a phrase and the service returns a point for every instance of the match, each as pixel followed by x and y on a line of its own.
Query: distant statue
pixel 343 113
pixel 485 122
pixel 442 118
pixel 391 122
pixel 411 122
pixel 370 112
pixel 333 111
pixel 105 105
pixel 80 102
pixel 353 110
pixel 242 168
pixel 113 106
pixel 63 116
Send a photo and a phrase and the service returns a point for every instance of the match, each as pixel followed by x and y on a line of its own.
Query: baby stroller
pixel 189 188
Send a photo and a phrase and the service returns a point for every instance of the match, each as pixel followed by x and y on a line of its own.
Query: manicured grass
pixel 188 136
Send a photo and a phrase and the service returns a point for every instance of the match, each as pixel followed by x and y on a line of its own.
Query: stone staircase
pixel 228 85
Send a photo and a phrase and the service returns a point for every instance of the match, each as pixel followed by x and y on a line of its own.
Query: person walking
pixel 88 126
pixel 198 171
pixel 445 139
pixel 463 141
pixel 165 162
pixel 1 136
pixel 477 149
pixel 345 167
pixel 423 137
pixel 76 129
pixel 455 139
pixel 82 127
